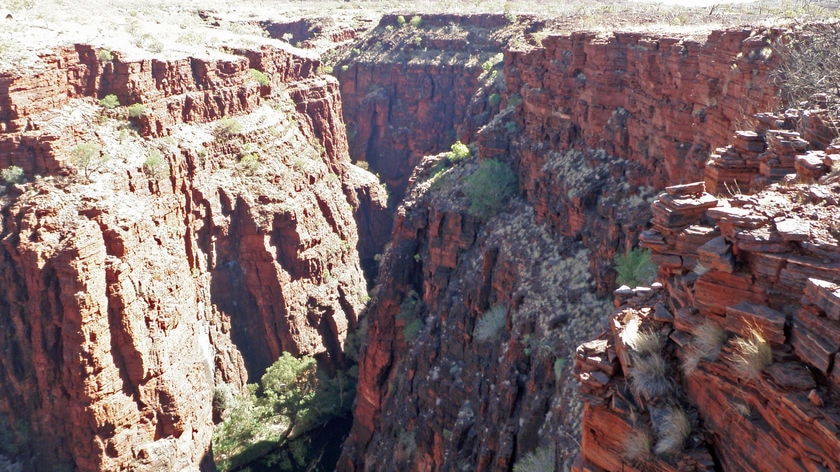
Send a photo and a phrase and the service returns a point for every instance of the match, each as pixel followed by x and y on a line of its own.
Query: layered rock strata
pixel 748 301
pixel 591 143
pixel 191 258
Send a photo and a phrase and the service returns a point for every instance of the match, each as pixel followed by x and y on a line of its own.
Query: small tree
pixel 88 157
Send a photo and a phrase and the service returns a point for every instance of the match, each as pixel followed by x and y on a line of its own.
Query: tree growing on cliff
pixel 88 157
pixel 293 397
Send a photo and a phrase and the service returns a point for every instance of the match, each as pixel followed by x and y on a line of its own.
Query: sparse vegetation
pixel 494 99
pixel 637 446
pixel 491 324
pixel 540 460
pixel 458 152
pixel 155 166
pixel 409 315
pixel 807 64
pixel 259 77
pixel 649 376
pixel 649 371
pixel 706 345
pixel 672 429
pixel 105 55
pixel 110 101
pixel 249 162
pixel 489 187
pixel 751 354
pixel 136 110
pixel 635 268
pixel 227 128
pixel 415 21
pixel 88 157
pixel 12 175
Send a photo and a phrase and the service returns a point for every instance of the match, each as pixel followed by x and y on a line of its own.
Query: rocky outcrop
pixel 748 301
pixel 127 296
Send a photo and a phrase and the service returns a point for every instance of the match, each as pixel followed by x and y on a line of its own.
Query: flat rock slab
pixel 741 217
pixel 747 316
pixel 794 229
pixel 825 295
pixel 694 188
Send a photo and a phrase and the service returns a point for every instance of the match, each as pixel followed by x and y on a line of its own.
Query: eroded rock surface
pixel 131 290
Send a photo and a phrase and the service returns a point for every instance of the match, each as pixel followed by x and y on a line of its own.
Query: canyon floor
pixel 425 236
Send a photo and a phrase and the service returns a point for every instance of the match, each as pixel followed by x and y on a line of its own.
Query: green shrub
pixel 539 460
pixel 510 126
pixel 635 269
pixel 491 324
pixel 227 128
pixel 105 55
pixel 514 100
pixel 110 101
pixel 489 187
pixel 458 152
pixel 400 21
pixel 494 99
pixel 136 110
pixel 12 175
pixel 410 310
pixel 415 21
pixel 259 77
pixel 155 166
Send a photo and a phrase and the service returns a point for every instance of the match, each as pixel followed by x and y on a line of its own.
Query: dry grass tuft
pixel 706 345
pixel 751 354
pixel 637 447
pixel 672 431
pixel 649 376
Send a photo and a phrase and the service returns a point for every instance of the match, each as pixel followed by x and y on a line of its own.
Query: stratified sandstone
pixel 593 127
pixel 127 297
pixel 766 263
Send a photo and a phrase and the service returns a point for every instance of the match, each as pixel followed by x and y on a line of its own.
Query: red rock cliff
pixel 592 135
pixel 747 316
pixel 128 296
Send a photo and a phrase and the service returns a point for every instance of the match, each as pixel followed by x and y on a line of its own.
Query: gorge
pixel 266 198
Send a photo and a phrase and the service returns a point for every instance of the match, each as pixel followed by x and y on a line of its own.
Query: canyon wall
pixel 593 126
pixel 746 315
pixel 131 290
